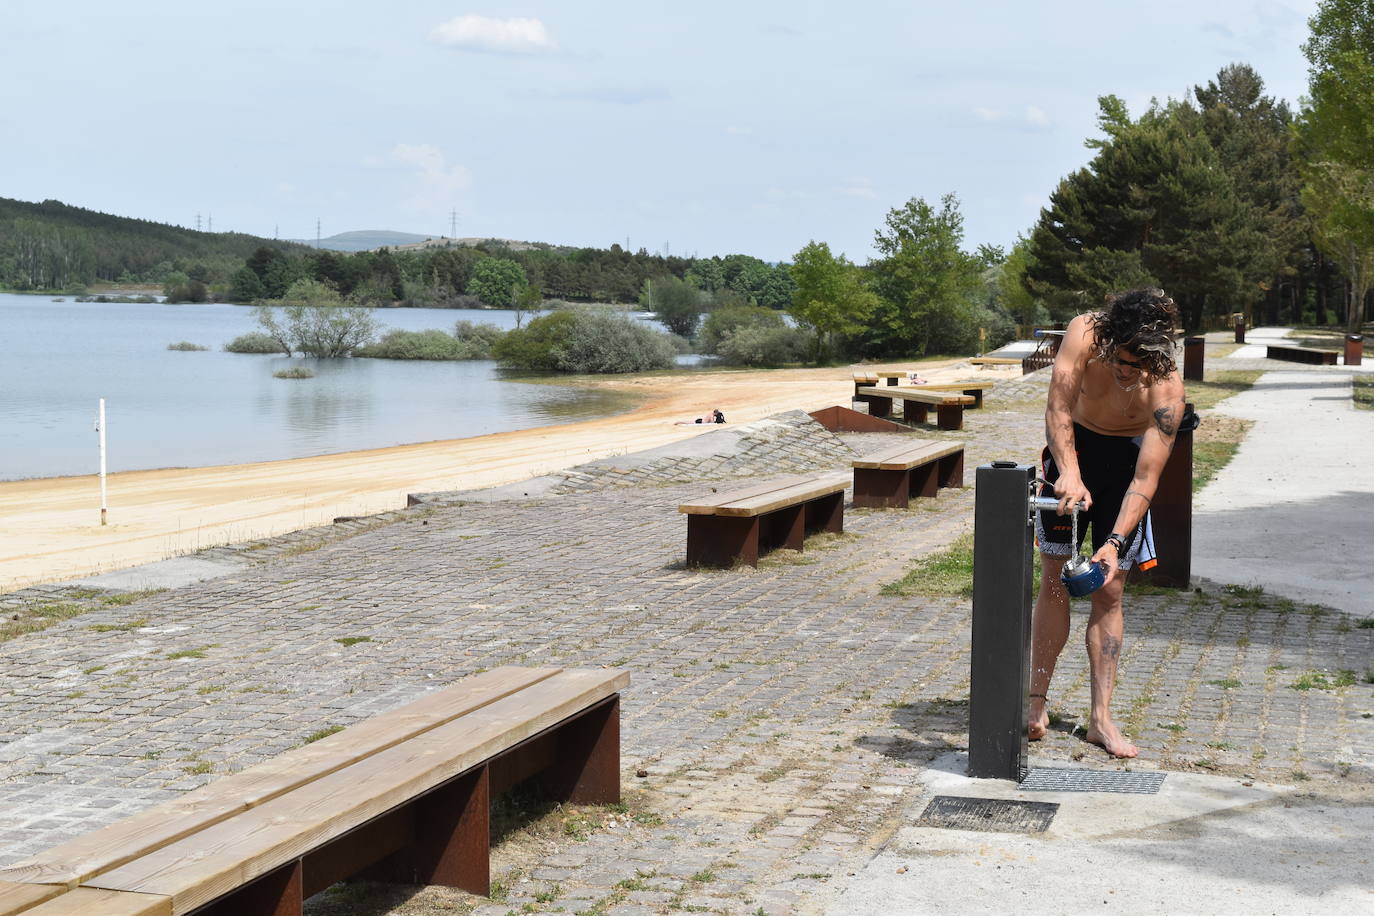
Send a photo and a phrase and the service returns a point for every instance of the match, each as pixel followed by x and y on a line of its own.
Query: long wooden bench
pixel 739 525
pixel 949 408
pixel 973 389
pixel 890 478
pixel 403 796
pixel 862 379
pixel 1303 355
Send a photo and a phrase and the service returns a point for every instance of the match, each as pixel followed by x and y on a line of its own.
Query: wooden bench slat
pixel 709 505
pixel 811 489
pixel 199 868
pixel 90 901
pixel 958 386
pixel 904 457
pixel 917 394
pixel 79 859
pixel 17 897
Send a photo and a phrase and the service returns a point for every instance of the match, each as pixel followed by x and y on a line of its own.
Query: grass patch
pixel 1219 386
pixel 1226 683
pixel 947 573
pixel 125 598
pixel 1363 391
pixel 1323 680
pixel 352 640
pixel 187 346
pixel 120 627
pixel 322 733
pixel 294 372
pixel 187 653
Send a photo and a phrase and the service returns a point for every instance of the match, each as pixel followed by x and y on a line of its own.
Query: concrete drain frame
pixel 993 815
pixel 1063 779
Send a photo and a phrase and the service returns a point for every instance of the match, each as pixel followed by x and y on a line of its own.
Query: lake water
pixel 192 409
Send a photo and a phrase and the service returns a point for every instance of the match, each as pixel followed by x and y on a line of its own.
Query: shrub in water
pixel 186 345
pixel 603 342
pixel 761 346
pixel 413 345
pixel 728 319
pixel 479 339
pixel 294 372
pixel 583 340
pixel 254 342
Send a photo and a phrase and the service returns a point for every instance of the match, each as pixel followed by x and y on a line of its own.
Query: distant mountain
pixel 365 240
pixel 371 239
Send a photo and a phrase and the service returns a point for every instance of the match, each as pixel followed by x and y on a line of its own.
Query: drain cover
pixel 991 814
pixel 1059 779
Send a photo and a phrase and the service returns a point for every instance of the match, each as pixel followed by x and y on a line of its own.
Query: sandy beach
pixel 50 528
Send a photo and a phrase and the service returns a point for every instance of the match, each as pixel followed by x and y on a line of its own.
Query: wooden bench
pixel 862 379
pixel 974 390
pixel 1303 355
pixel 888 479
pixel 403 796
pixel 892 378
pixel 949 408
pixel 739 525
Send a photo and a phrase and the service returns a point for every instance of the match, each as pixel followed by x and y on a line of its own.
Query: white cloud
pixel 1036 115
pixel 482 33
pixel 987 114
pixel 440 182
pixel 858 187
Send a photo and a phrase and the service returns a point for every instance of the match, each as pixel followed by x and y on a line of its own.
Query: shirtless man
pixel 1115 404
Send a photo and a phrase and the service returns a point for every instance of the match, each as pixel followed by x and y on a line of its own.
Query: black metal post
pixel 999 667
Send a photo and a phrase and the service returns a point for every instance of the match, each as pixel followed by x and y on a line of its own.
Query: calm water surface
pixel 191 409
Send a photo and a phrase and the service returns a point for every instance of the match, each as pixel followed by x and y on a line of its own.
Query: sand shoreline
pixel 50 527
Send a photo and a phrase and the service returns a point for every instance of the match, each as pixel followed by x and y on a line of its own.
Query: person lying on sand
pixel 711 416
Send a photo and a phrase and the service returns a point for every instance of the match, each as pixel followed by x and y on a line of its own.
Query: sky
pixel 696 128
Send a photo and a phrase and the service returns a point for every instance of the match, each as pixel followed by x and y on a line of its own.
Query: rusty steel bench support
pixel 443 836
pixel 721 540
pixel 877 488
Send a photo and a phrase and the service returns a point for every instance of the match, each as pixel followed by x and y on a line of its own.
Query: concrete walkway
pixel 792 722
pixel 1293 512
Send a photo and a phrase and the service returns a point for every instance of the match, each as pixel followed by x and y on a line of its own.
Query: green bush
pixel 728 319
pixel 584 340
pixel 254 342
pixel 480 339
pixel 468 341
pixel 755 345
pixel 413 345
pixel 186 345
pixel 294 372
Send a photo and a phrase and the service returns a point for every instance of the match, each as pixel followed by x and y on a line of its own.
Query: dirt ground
pixel 50 528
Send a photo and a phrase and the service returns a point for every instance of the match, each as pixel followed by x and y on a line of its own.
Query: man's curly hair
pixel 1141 321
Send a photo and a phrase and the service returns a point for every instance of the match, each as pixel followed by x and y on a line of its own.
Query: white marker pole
pixel 100 427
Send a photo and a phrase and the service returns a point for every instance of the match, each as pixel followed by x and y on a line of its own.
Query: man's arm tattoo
pixel 1166 421
pixel 1130 493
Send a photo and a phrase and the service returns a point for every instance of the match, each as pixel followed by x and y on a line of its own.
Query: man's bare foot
pixel 1039 720
pixel 1111 740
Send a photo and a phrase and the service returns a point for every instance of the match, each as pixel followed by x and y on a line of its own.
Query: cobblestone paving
pixel 782 715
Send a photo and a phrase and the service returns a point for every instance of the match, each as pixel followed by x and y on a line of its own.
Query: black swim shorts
pixel 1107 465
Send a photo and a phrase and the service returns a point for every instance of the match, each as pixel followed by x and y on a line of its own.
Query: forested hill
pixel 54 246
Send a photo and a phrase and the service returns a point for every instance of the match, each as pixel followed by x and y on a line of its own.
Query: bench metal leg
pixel 826 513
pixel 586 767
pixel 784 528
pixel 875 488
pixel 952 470
pixel 950 416
pixel 453 835
pixel 277 893
pixel 878 407
pixel 720 540
pixel 923 480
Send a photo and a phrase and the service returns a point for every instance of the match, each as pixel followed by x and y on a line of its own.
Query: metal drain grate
pixel 1059 779
pixel 990 814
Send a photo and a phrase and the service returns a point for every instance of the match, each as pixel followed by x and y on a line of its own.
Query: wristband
pixel 1117 540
